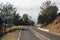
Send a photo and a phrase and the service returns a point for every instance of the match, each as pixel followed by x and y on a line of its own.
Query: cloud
pixel 30 7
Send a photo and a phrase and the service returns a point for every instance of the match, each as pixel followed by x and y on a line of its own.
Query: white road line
pixel 38 34
pixel 43 29
pixel 19 36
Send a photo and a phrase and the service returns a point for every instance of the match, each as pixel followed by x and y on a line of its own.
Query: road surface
pixel 33 33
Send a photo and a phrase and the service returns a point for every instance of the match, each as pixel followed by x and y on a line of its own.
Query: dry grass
pixel 12 28
pixel 11 35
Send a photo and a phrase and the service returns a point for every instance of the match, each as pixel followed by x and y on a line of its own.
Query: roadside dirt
pixel 54 26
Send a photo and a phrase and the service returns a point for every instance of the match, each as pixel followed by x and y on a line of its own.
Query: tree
pixel 7 12
pixel 25 19
pixel 31 23
pixel 48 12
pixel 1 28
pixel 16 19
pixel 21 22
pixel 41 19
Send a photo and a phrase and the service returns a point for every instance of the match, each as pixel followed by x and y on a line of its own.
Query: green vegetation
pixel 10 17
pixel 26 21
pixel 7 12
pixel 48 13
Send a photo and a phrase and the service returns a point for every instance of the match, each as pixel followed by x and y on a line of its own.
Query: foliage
pixel 9 17
pixel 48 12
pixel 16 19
pixel 26 20
pixel 7 12
pixel 41 19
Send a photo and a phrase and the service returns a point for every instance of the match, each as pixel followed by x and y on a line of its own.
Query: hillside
pixel 55 25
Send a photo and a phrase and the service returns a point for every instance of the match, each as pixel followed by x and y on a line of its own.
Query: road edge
pixel 39 34
pixel 49 31
pixel 19 35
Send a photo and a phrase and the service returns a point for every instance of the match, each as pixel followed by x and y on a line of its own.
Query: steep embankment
pixel 55 25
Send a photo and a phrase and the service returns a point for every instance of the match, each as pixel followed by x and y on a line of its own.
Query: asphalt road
pixel 28 33
pixel 47 34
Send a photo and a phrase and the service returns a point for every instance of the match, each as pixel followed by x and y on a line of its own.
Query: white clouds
pixel 58 3
pixel 28 4
pixel 31 7
pixel 25 3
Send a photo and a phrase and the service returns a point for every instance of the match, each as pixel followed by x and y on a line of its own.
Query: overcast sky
pixel 30 7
